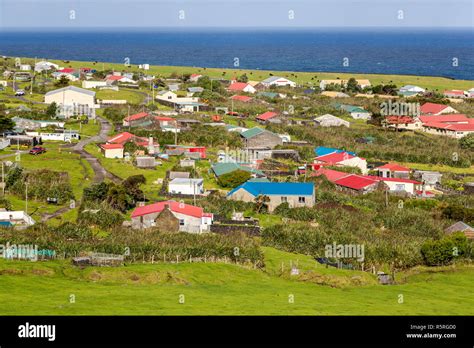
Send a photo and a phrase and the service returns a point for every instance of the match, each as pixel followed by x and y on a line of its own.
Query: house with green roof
pixel 229 167
pixel 260 138
pixel 355 111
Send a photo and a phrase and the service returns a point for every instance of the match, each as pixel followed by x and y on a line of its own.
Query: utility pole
pixel 3 179
pixel 26 201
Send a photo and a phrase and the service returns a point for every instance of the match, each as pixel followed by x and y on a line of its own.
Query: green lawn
pixel 45 288
pixel 58 159
pixel 132 97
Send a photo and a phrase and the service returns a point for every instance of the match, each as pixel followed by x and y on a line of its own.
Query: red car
pixel 37 150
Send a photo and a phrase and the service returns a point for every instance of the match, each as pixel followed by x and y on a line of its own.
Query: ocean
pixel 428 52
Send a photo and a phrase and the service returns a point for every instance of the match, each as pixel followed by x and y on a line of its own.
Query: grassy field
pixel 429 82
pixel 45 288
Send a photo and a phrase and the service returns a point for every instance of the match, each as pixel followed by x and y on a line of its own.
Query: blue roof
pixel 322 150
pixel 276 188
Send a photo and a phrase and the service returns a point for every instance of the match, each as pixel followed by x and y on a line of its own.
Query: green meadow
pixel 46 288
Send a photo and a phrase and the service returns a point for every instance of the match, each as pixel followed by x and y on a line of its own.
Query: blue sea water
pixel 428 52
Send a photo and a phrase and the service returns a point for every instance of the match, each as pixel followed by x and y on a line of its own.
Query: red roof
pixel 242 98
pixel 114 78
pixel 67 70
pixel 447 118
pixel 111 146
pixel 460 127
pixel 334 157
pixel 237 86
pixel 331 175
pixel 399 119
pixel 164 118
pixel 174 206
pixel 432 108
pixel 136 116
pixel 454 91
pixel 121 138
pixel 407 181
pixel 266 116
pixel 195 75
pixel 356 182
pixel 394 167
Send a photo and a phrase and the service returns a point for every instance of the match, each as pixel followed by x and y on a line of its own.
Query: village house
pixel 257 137
pixel 186 186
pixel 393 170
pixel 18 219
pixel 295 194
pixel 27 124
pixel 72 101
pixel 172 216
pixel 278 82
pixel 329 120
pixel 126 137
pixel 455 125
pixel 429 179
pixel 269 117
pixel 194 77
pixel 223 168
pixel 460 226
pixel 241 87
pixel 399 123
pixel 456 93
pixel 112 150
pixel 436 109
pixel 356 112
pixel 343 83
pixel 58 135
pixel 411 90
pixel 341 159
pixel 45 66
pixel 93 84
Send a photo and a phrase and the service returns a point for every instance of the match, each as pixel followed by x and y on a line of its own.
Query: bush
pixel 234 179
pixel 443 251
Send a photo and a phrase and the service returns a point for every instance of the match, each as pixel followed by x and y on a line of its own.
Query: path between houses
pixel 100 173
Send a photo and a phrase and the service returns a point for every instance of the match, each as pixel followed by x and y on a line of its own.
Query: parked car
pixel 37 150
pixel 19 92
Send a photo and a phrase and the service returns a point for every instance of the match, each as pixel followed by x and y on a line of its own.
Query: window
pixel 301 200
pixel 181 222
pixel 284 199
pixel 400 187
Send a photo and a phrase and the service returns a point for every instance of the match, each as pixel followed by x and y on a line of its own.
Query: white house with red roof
pixel 402 122
pixel 341 159
pixel 114 79
pixel 126 137
pixel 127 121
pixel 268 116
pixel 194 77
pixel 112 150
pixel 277 81
pixel 456 93
pixel 437 109
pixel 455 126
pixel 367 183
pixel 393 170
pixel 191 218
pixel 241 87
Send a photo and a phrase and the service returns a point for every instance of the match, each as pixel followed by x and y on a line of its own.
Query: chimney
pixel 151 146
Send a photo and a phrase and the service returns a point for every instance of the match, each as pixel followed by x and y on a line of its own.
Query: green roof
pixel 224 168
pixel 250 133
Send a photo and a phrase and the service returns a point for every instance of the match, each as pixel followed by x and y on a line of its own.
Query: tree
pixel 132 186
pixel 52 110
pixel 352 85
pixel 62 82
pixel 261 203
pixel 234 179
pixel 243 78
pixel 467 142
pixel 6 123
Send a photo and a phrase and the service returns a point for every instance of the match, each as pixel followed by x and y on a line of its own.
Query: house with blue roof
pixel 296 194
pixel 322 151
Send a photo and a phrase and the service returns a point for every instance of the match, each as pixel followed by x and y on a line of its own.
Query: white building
pixel 112 150
pixel 25 67
pixel 93 84
pixel 45 66
pixel 186 186
pixel 63 135
pixel 329 120
pixel 72 101
pixel 278 81
pixel 16 219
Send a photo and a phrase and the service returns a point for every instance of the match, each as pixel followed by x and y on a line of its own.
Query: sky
pixel 87 14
